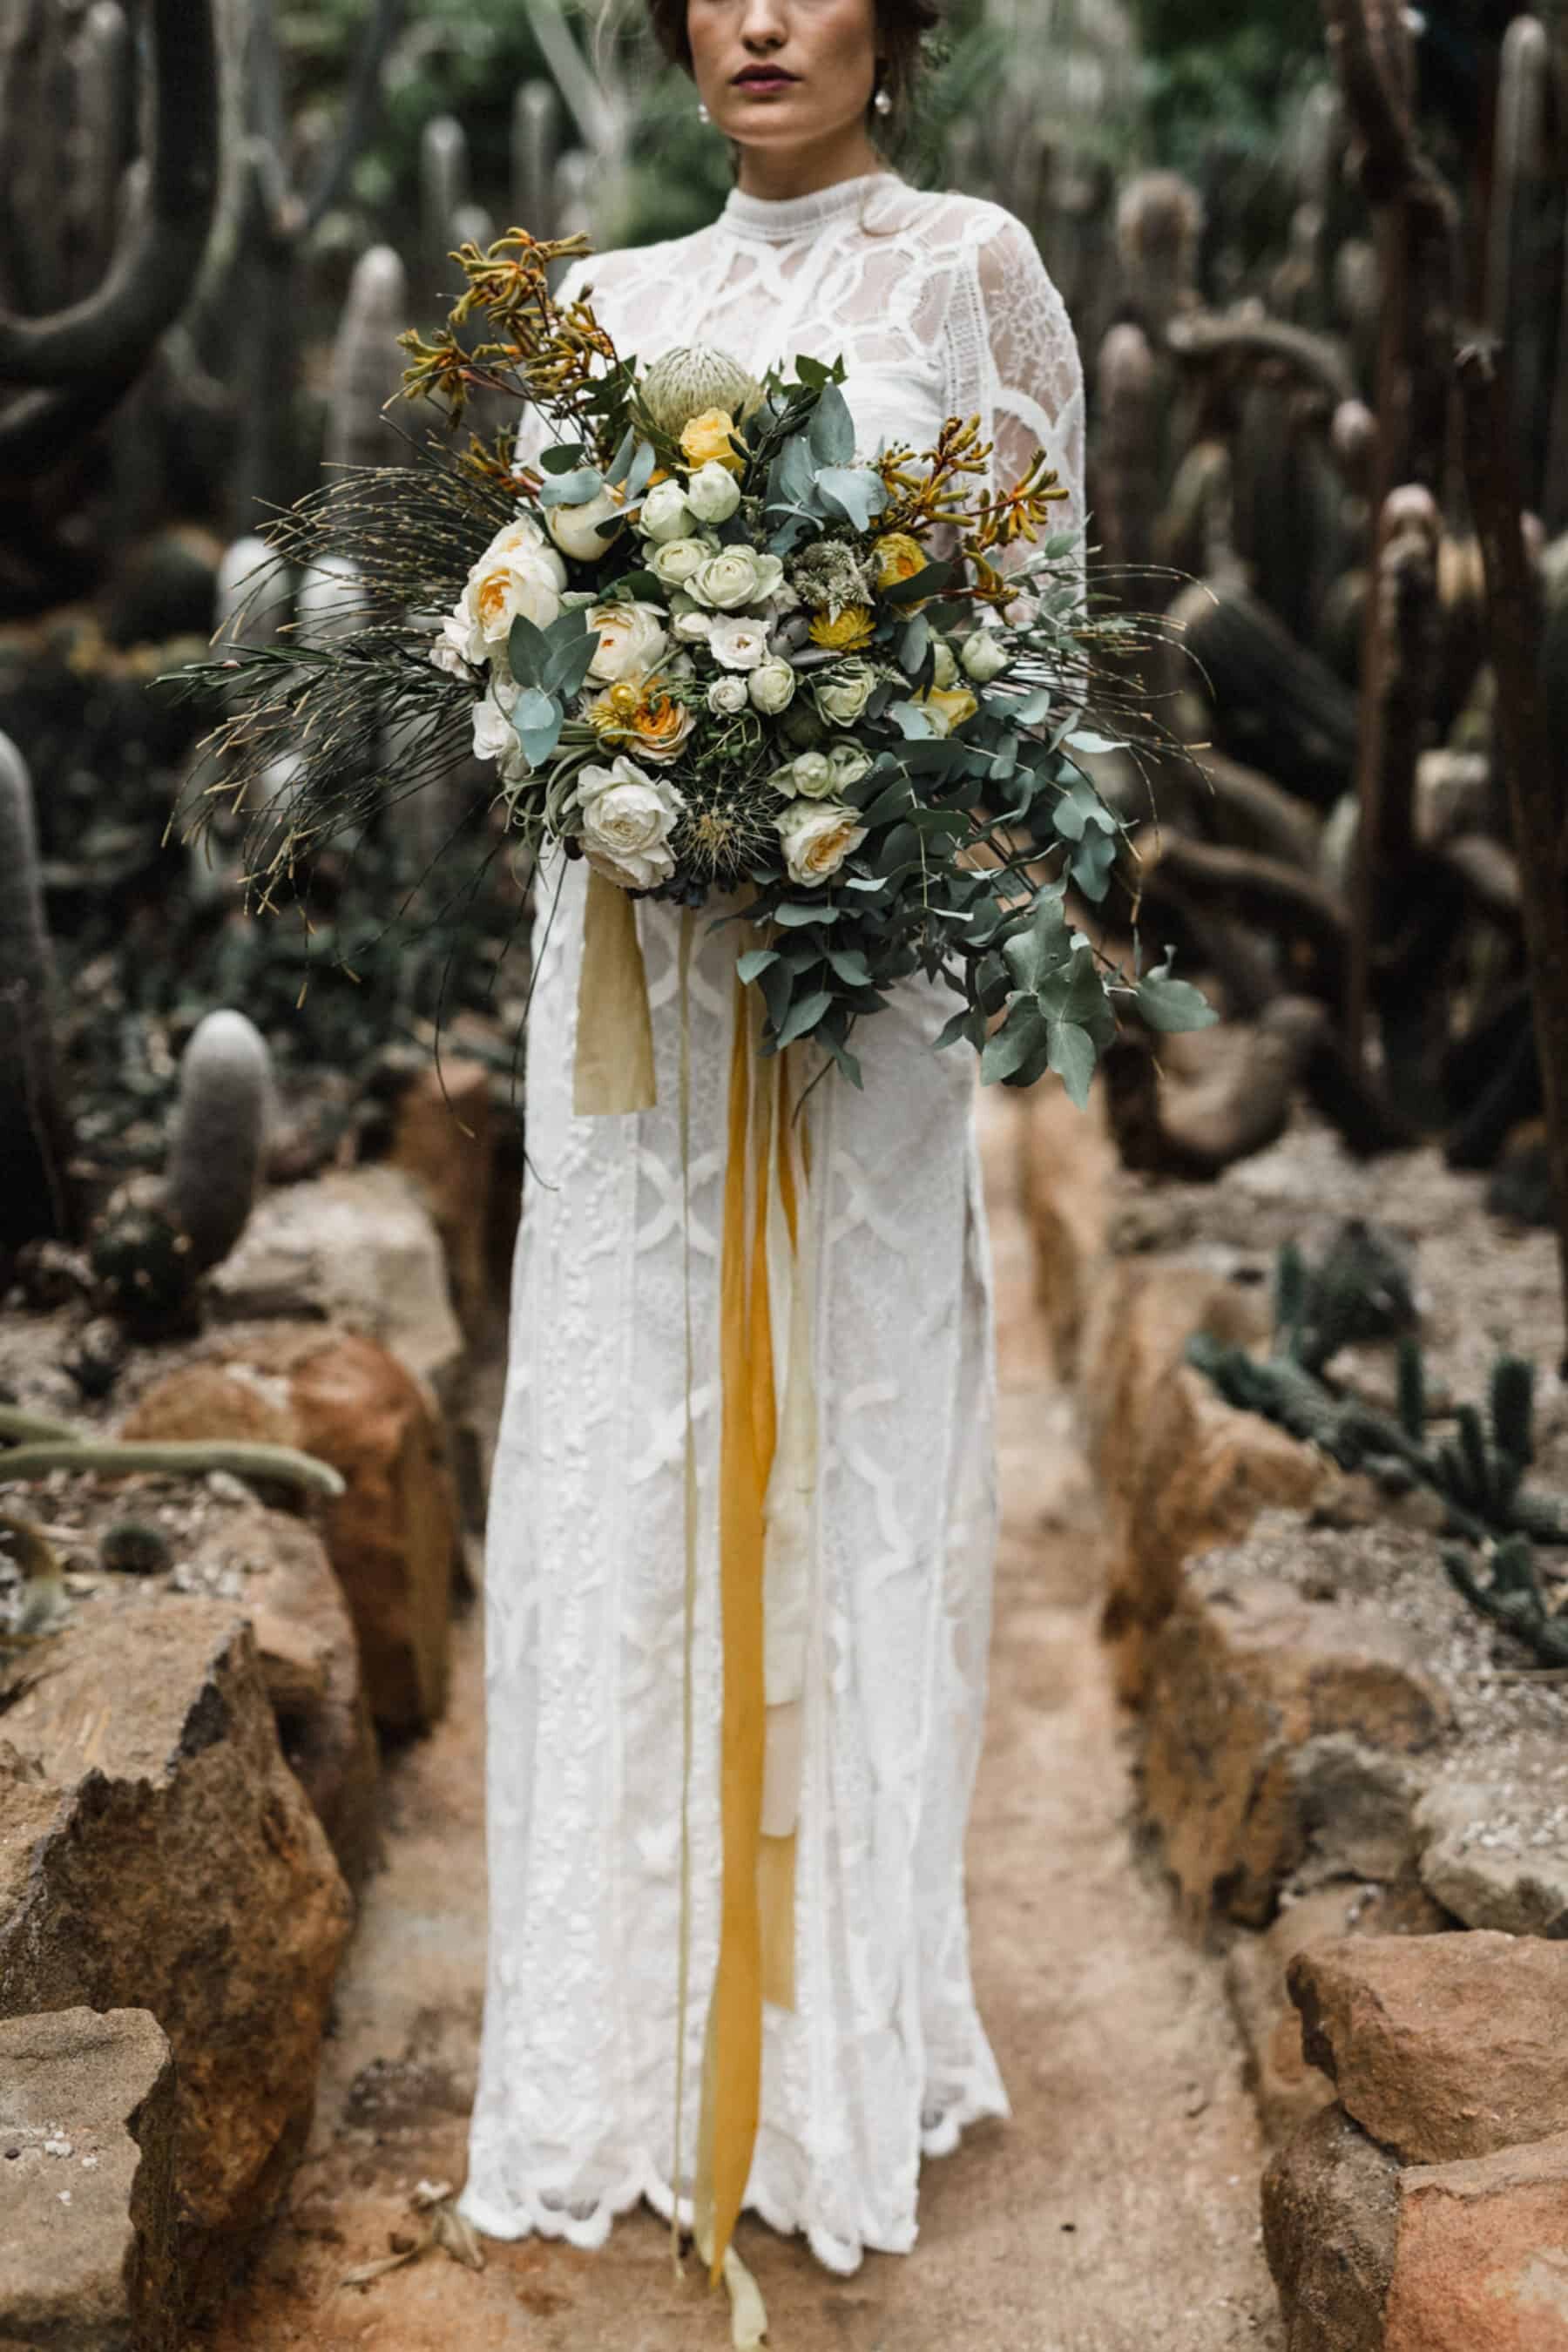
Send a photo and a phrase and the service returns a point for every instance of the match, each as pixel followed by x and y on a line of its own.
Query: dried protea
pixel 686 383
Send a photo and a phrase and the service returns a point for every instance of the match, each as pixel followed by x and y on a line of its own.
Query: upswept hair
pixel 903 26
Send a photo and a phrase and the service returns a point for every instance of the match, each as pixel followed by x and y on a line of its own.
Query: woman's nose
pixel 763 25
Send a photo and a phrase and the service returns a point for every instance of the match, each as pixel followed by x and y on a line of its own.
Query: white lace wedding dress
pixel 939 305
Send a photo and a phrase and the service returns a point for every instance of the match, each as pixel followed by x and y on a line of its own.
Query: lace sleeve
pixel 1035 375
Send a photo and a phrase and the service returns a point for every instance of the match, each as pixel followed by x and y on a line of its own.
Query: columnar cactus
pixel 35 1139
pixel 220 1128
pixel 367 367
pixel 535 145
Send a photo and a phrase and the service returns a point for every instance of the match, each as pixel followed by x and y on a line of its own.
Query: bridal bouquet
pixel 706 647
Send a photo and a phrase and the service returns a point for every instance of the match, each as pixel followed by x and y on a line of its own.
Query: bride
pixel 938 305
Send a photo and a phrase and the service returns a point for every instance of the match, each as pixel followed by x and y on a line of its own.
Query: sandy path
pixel 1117 2213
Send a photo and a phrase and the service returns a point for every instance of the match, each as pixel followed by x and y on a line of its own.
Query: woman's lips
pixel 764 81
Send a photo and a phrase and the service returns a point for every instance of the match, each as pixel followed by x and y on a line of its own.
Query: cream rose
pixel 674 562
pixel 843 692
pixel 817 837
pixel 726 695
pixel 524 578
pixel 712 493
pixel 729 579
pixel 944 669
pixel 495 737
pixel 690 622
pixel 737 643
pixel 450 651
pixel 665 513
pixel 576 529
pixel 773 685
pixel 983 657
pixel 811 775
pixel 627 818
pixel 848 763
pixel 632 639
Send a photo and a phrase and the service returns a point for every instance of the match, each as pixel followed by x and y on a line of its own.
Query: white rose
pixel 632 639
pixel 812 775
pixel 770 574
pixel 945 667
pixel 984 659
pixel 843 692
pixel 690 624
pixel 726 695
pixel 450 651
pixel 712 493
pixel 524 531
pixel 665 513
pixel 737 643
pixel 727 579
pixel 523 579
pixel 848 763
pixel 674 562
pixel 773 685
pixel 576 529
pixel 783 780
pixel 817 837
pixel 627 817
pixel 495 737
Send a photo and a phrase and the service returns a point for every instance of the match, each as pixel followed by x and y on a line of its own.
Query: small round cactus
pixel 220 1126
pixel 145 1269
pixel 686 382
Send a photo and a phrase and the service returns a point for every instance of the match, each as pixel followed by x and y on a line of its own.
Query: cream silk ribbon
pixel 767 1541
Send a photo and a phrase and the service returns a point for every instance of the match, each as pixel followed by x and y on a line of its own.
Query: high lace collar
pixel 777 219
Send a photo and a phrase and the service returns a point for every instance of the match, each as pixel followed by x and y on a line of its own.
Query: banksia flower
pixel 685 382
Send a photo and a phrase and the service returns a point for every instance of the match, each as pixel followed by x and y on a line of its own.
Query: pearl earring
pixel 702 113
pixel 883 101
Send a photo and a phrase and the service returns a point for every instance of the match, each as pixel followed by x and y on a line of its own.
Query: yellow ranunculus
pixel 898 557
pixel 952 704
pixel 846 632
pixel 706 441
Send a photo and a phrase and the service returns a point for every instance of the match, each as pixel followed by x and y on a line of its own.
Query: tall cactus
pixel 367 363
pixel 35 1185
pixel 1525 202
pixel 535 144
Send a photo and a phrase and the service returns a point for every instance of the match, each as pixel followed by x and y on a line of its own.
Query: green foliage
pixel 1230 63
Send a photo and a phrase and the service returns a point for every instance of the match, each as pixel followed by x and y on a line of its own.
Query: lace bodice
pixel 938 304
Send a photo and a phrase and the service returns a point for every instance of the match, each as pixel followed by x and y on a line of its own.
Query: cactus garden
pixel 1277 1762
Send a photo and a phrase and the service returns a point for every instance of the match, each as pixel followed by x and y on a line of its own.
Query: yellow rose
pixel 705 441
pixel 898 557
pixel 846 632
pixel 950 704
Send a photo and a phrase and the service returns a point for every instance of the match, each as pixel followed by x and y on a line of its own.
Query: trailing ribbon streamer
pixel 764 1174
pixel 614 1069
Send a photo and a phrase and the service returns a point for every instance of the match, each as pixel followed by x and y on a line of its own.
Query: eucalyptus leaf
pixel 563 458
pixel 1173 1006
pixel 832 428
pixel 915 644
pixel 1022 1043
pixel 852 490
pixel 1072 1057
pixel 528 651
pixel 537 719
pixel 573 489
pixel 793 914
pixel 754 962
pixel 804 1014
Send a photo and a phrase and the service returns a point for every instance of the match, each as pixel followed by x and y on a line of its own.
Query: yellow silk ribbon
pixel 614 1068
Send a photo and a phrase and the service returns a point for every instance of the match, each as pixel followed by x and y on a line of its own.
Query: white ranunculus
pixel 817 837
pixel 738 643
pixel 632 639
pixel 728 580
pixel 495 737
pixel 842 692
pixel 450 651
pixel 524 531
pixel 627 818
pixel 665 513
pixel 773 685
pixel 523 578
pixel 848 763
pixel 576 529
pixel 813 776
pixel 984 659
pixel 674 563
pixel 726 695
pixel 712 493
pixel 945 669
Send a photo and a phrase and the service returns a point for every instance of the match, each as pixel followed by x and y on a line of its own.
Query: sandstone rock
pixel 87 2183
pixel 309 1662
pixel 443 1141
pixel 1287 2087
pixel 1067 1164
pixel 393 1534
pixel 156 1853
pixel 1495 1853
pixel 204 1400
pixel 1442 2047
pixel 1481 2259
pixel 357 1247
pixel 1180 1470
pixel 1331 2219
pixel 1245 1672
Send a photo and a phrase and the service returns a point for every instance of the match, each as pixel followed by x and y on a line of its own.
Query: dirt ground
pixel 1117 2211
